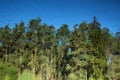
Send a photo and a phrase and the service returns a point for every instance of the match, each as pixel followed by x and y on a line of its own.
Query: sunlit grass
pixel 26 75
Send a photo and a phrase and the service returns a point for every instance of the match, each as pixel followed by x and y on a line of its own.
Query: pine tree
pixel 78 57
pixel 95 37
pixel 5 38
pixel 62 36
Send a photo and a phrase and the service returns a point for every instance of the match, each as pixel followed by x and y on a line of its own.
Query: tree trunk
pixel 40 73
pixel 5 58
pixel 33 72
pixel 86 74
pixel 19 74
pixel 19 70
pixel 34 62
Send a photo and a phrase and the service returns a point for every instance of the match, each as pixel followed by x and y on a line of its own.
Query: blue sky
pixel 58 12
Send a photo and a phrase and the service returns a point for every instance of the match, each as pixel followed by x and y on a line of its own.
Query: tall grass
pixel 7 72
pixel 26 75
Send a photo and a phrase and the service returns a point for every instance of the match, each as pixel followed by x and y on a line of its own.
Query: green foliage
pixel 26 75
pixel 40 52
pixel 8 72
pixel 72 76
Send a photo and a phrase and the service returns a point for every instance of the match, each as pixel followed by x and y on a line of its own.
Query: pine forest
pixel 38 51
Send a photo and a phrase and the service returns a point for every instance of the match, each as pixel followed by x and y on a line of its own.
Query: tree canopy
pixel 40 52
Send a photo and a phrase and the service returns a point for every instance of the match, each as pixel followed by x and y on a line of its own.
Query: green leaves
pixel 44 53
pixel 72 76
